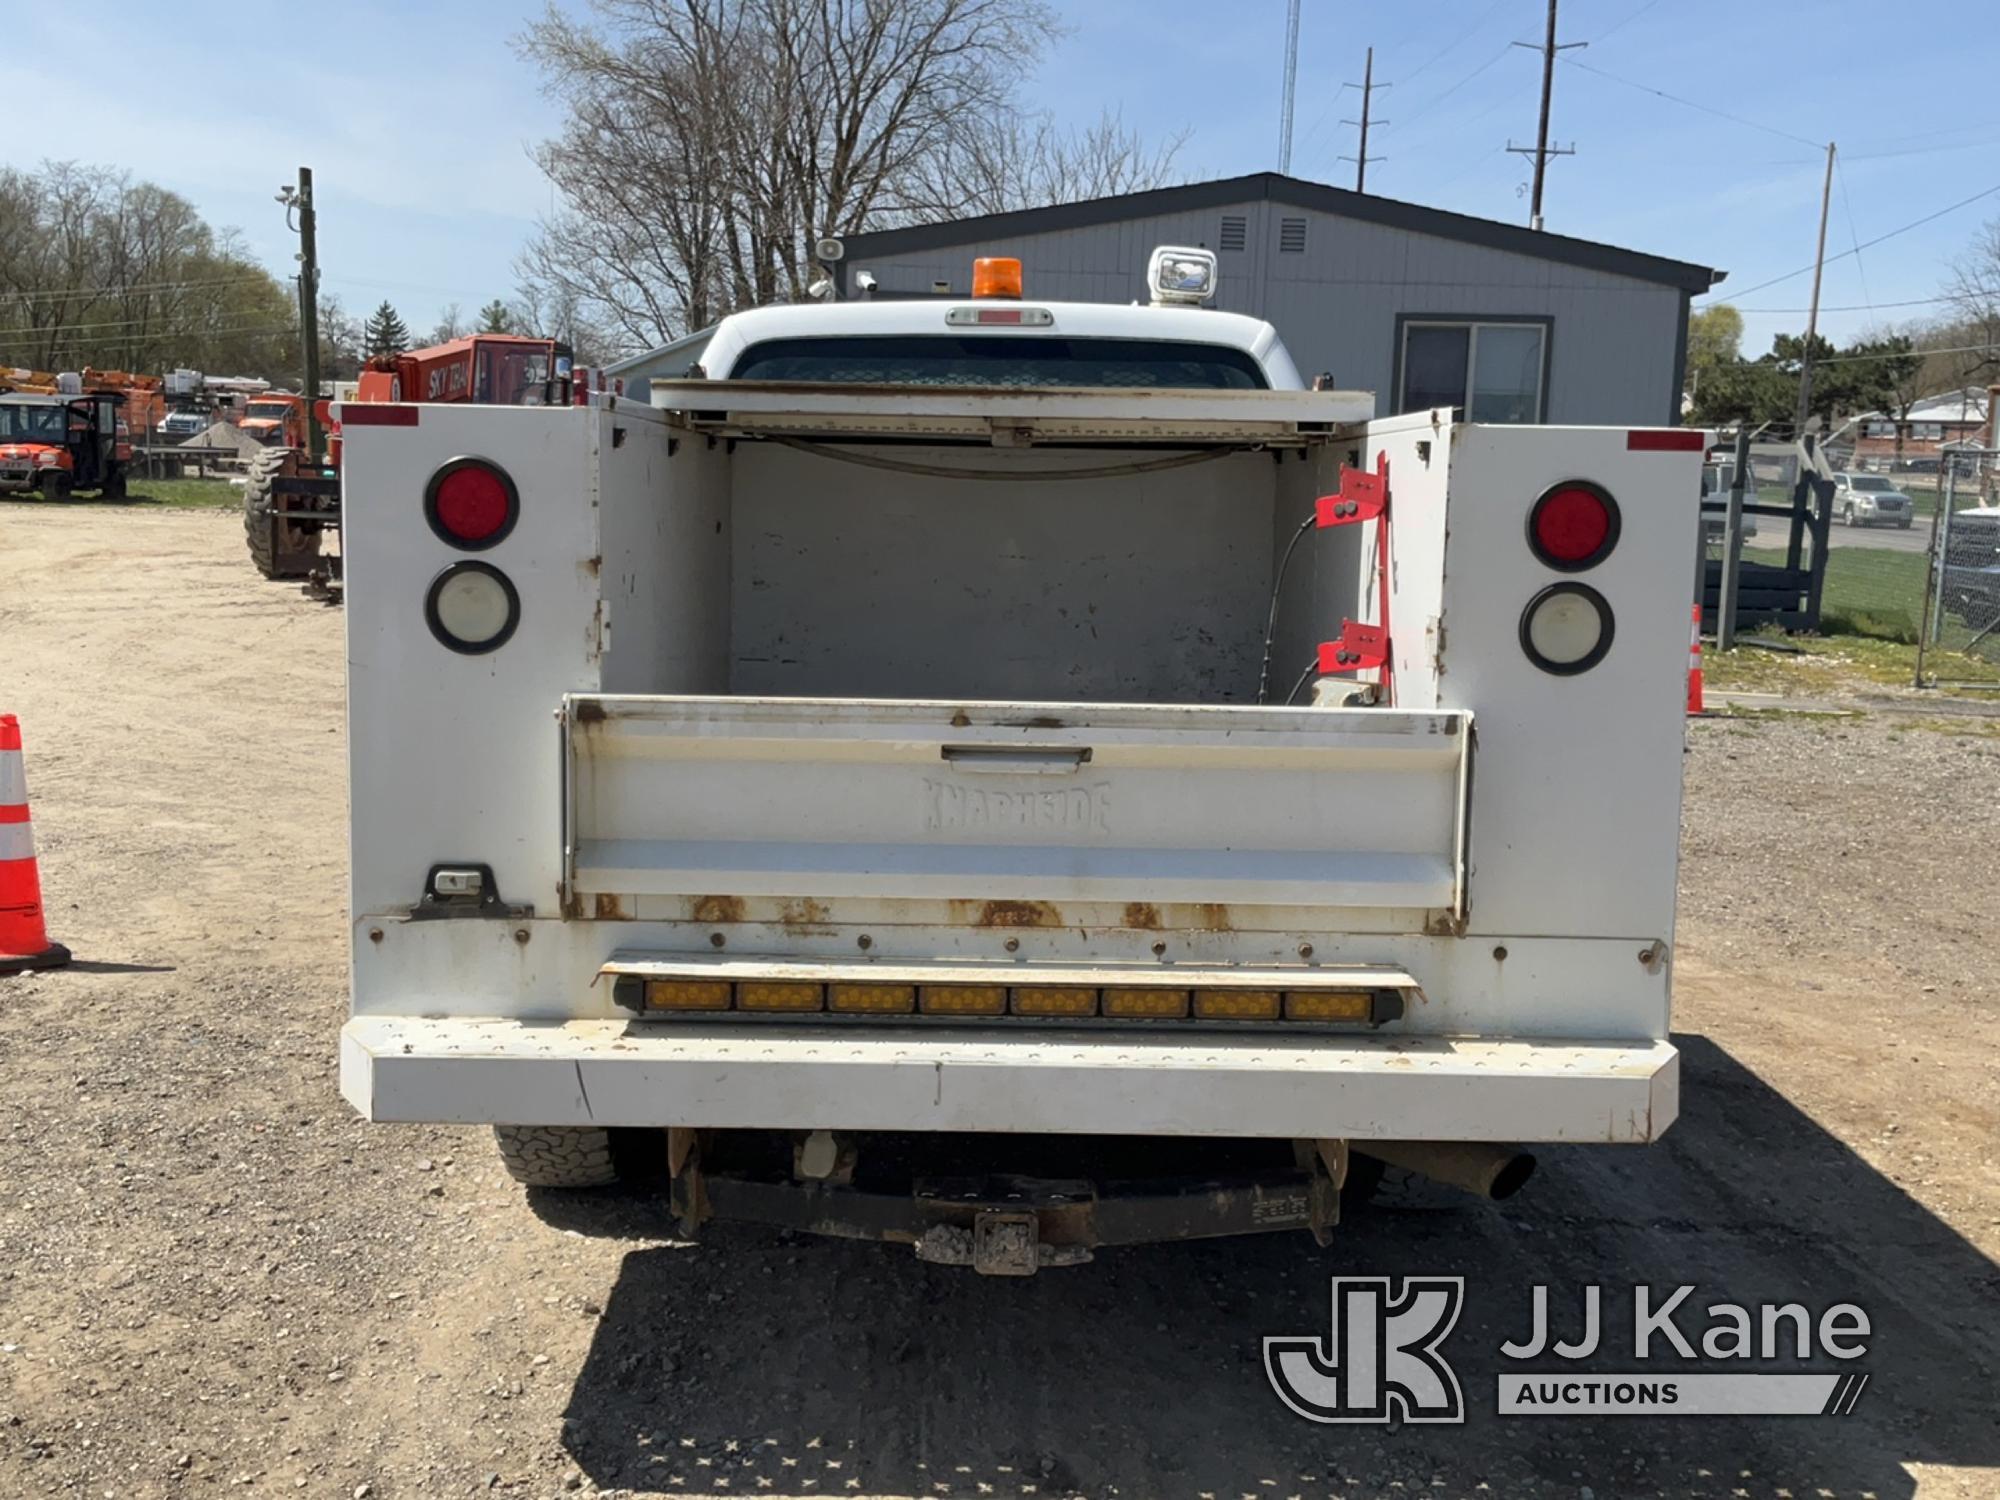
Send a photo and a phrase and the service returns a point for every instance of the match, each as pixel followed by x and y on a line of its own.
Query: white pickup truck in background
pixel 1013 777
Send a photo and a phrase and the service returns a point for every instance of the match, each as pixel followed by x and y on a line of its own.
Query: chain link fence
pixel 1911 558
pixel 1959 641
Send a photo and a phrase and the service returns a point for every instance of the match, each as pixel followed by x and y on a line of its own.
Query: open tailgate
pixel 829 798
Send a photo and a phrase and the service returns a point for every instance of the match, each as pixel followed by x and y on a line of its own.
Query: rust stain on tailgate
pixel 718 909
pixel 1007 913
pixel 805 918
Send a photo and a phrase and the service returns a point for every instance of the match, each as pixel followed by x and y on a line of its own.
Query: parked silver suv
pixel 1870 500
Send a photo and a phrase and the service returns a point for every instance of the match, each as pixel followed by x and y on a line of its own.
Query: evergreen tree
pixel 496 317
pixel 386 333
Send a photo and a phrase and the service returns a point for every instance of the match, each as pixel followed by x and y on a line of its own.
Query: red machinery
pixel 290 499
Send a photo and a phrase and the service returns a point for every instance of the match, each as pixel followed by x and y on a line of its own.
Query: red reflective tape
pixel 353 414
pixel 10 732
pixel 1666 440
pixel 16 812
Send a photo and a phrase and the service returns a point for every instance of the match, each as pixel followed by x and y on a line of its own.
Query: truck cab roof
pixel 745 340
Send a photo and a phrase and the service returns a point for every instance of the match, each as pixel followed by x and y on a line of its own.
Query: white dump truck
pixel 1011 777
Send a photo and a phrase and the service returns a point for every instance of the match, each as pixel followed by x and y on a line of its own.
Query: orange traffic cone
pixel 24 940
pixel 1695 665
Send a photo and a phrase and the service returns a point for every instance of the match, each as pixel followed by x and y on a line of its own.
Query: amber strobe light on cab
pixel 472 608
pixel 1566 629
pixel 472 504
pixel 1573 526
pixel 996 276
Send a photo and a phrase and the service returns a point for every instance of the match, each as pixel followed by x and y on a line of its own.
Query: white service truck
pixel 1011 777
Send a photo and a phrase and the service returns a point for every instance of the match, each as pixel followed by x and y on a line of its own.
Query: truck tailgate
pixel 705 796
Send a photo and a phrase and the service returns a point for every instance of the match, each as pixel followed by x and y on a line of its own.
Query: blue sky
pixel 417 119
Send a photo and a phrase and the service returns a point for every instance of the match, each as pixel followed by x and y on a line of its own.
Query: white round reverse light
pixel 471 607
pixel 1566 629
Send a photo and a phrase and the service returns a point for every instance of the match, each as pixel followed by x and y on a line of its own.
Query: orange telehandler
pixel 290 498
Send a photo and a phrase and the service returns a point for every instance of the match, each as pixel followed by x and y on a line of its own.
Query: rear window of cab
pixel 1002 361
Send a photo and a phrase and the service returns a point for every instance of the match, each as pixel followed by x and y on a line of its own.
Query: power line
pixel 1853 234
pixel 1628 20
pixel 1438 55
pixel 1439 99
pixel 1707 109
pixel 1938 150
pixel 63 330
pixel 1850 359
pixel 1870 244
pixel 1854 306
pixel 56 294
pixel 1925 135
pixel 1319 121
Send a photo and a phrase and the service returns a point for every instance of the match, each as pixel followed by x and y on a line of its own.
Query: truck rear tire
pixel 113 487
pixel 287 550
pixel 557 1156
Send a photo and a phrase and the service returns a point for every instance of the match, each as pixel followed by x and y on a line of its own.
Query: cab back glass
pixel 993 360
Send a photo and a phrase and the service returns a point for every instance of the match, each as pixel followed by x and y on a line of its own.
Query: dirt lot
pixel 213 1280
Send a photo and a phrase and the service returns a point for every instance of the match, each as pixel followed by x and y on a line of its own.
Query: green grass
pixel 184 494
pixel 196 494
pixel 1869 591
pixel 1833 664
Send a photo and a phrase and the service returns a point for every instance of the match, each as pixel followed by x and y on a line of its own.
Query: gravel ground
pixel 213 1280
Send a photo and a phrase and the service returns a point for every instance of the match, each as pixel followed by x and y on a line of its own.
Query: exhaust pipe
pixel 1481 1168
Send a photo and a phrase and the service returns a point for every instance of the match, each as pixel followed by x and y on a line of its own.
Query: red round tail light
pixel 471 504
pixel 1573 526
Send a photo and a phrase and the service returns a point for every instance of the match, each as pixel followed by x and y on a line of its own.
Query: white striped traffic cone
pixel 1694 665
pixel 24 938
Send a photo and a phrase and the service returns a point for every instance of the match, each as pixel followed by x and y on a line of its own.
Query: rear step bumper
pixel 728 1075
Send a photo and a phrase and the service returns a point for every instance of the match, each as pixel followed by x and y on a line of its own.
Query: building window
pixel 1926 432
pixel 1235 231
pixel 1880 430
pixel 1490 371
pixel 1291 236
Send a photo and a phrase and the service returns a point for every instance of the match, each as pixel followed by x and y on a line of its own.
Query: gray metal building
pixel 1422 307
pixel 1385 296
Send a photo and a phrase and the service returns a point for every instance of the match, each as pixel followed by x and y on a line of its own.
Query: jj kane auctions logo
pixel 1382 1359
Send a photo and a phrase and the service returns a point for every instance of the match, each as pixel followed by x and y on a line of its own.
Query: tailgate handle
pixel 1018 760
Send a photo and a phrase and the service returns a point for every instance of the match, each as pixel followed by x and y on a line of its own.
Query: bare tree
pixel 1031 161
pixel 451 324
pixel 710 142
pixel 1973 292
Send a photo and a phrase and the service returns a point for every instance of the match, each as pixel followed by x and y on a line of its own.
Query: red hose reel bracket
pixel 1362 497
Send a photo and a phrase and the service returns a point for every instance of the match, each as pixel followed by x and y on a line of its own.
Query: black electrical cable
pixel 1311 667
pixel 1271 620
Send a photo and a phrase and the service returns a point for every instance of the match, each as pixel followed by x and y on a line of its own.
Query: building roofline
pixel 1295 192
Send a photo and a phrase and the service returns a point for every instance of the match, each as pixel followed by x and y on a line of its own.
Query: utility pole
pixel 1368 85
pixel 1812 314
pixel 1291 85
pixel 299 201
pixel 1542 150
